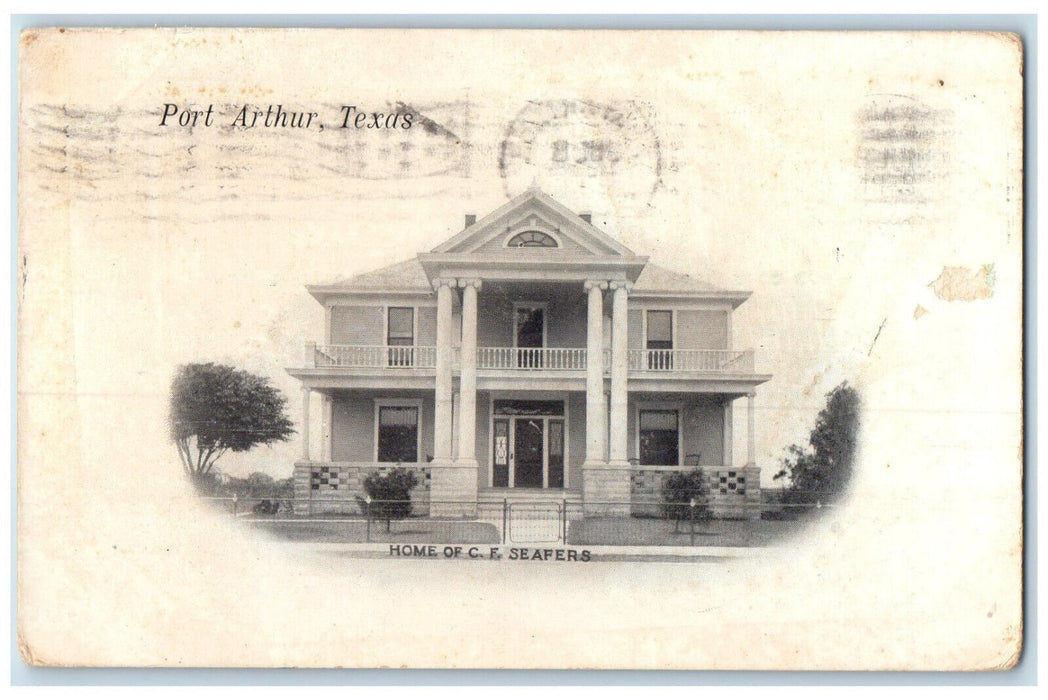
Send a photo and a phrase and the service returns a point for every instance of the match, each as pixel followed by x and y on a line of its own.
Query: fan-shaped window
pixel 532 239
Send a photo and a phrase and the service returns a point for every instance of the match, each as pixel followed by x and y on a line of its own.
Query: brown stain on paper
pixel 961 284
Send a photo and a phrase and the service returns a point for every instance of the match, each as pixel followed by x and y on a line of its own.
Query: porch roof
pixel 332 378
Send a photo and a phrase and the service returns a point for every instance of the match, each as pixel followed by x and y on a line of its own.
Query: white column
pixel 467 422
pixel 328 428
pixel 456 410
pixel 619 372
pixel 305 424
pixel 595 430
pixel 751 428
pixel 729 437
pixel 445 358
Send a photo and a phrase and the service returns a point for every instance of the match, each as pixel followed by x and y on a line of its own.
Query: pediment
pixel 531 221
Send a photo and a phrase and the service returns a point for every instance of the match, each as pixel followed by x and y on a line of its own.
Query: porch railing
pixel 532 358
pixel 424 357
pixel 691 360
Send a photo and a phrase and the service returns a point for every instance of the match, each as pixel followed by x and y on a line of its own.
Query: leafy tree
pixel 820 472
pixel 210 484
pixel 260 484
pixel 390 494
pixel 679 490
pixel 215 408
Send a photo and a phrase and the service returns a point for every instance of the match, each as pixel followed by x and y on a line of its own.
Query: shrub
pixel 285 491
pixel 390 494
pixel 678 491
pixel 266 507
pixel 821 471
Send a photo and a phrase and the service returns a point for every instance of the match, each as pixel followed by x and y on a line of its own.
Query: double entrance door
pixel 528 444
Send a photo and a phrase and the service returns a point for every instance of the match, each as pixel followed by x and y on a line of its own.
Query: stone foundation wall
pixel 734 492
pixel 329 488
pixel 453 491
pixel 605 491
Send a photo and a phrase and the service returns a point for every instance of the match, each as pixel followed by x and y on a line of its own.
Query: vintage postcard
pixel 520 349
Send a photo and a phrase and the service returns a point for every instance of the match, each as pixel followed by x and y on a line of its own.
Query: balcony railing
pixel 424 357
pixel 691 360
pixel 557 359
pixel 532 358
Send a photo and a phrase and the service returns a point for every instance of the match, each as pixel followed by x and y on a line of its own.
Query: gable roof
pixel 405 277
pixel 534 209
pixel 658 281
pixel 408 276
pixel 656 278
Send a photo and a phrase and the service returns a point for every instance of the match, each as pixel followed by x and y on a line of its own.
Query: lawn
pixel 590 531
pixel 658 532
pixel 410 531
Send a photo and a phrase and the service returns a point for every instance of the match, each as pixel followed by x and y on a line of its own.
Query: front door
pixel 528 442
pixel 528 445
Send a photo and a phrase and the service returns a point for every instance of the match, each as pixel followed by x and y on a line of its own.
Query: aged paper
pixel 178 189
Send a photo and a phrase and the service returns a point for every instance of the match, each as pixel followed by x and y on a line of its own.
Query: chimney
pixel 470 220
pixel 586 216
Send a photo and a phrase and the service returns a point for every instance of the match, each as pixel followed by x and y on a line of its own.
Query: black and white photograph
pixel 520 349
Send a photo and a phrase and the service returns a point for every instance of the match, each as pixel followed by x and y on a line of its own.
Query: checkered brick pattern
pixel 727 483
pixel 646 485
pixel 321 488
pixel 327 478
pixel 351 479
pixel 733 491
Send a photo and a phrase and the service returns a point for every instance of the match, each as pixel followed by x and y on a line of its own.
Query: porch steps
pixel 534 516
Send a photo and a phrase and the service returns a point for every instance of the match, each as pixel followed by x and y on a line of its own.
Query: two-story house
pixel 531 355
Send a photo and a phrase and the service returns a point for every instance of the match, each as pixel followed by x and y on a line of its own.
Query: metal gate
pixel 534 523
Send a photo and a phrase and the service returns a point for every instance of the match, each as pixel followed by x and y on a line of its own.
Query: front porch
pixel 527 447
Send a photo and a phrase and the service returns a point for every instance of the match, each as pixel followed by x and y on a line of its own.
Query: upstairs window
pixel 400 329
pixel 660 330
pixel 660 339
pixel 532 239
pixel 400 336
